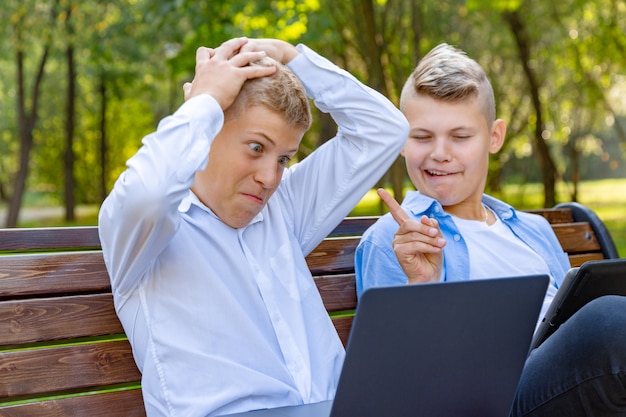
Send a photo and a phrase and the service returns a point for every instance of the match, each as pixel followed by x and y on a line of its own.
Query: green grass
pixel 38 216
pixel 607 198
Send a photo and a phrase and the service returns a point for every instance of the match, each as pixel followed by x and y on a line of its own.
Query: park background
pixel 81 82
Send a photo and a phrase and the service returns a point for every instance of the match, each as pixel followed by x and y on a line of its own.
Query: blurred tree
pixel 26 19
pixel 592 34
pixel 524 44
pixel 381 42
pixel 557 71
pixel 70 182
pixel 126 65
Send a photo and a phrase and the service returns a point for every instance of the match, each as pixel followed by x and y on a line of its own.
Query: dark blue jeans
pixel 580 370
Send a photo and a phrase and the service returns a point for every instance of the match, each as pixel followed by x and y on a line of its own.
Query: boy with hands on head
pixel 205 234
pixel 449 230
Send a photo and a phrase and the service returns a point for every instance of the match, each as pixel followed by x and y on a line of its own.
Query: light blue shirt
pixel 226 320
pixel 376 263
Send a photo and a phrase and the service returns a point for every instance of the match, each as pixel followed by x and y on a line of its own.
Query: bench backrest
pixel 63 351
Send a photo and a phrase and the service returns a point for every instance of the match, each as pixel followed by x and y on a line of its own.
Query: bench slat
pixel 50 370
pixel 333 256
pixel 555 215
pixel 37 320
pixel 338 291
pixel 127 403
pixel 29 239
pixel 353 226
pixel 41 275
pixel 576 237
pixel 578 260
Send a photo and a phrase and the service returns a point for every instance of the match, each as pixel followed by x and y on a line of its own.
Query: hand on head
pixel 280 51
pixel 418 245
pixel 221 72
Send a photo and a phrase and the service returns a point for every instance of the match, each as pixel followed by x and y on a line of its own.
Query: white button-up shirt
pixel 224 320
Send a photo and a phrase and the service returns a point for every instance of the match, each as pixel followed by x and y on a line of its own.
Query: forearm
pixel 362 114
pixel 138 218
pixel 370 135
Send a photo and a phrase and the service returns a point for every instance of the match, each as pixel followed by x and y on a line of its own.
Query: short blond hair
pixel 281 92
pixel 447 73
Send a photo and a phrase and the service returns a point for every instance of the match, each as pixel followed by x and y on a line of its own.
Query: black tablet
pixel 581 285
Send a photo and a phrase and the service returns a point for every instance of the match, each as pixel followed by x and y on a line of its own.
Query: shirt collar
pixel 418 204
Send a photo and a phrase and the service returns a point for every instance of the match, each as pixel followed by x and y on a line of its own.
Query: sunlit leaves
pixel 145 50
pixel 495 5
pixel 285 19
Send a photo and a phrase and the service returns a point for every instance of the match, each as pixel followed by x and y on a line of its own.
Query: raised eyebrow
pixel 420 131
pixel 290 153
pixel 467 129
pixel 264 137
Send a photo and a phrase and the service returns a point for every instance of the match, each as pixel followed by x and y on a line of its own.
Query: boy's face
pixel 447 152
pixel 246 163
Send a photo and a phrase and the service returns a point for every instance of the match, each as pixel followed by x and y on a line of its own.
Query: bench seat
pixel 64 352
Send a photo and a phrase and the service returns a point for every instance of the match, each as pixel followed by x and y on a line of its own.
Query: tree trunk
pixel 546 163
pixel 398 169
pixel 372 46
pixel 3 190
pixel 416 26
pixel 70 182
pixel 26 123
pixel 575 159
pixel 103 138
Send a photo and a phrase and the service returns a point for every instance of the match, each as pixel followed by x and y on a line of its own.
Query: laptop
pixel 591 280
pixel 438 349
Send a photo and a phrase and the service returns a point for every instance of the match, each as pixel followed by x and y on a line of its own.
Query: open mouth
pixel 434 173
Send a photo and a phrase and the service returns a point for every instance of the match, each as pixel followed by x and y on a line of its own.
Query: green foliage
pixel 496 5
pixel 142 51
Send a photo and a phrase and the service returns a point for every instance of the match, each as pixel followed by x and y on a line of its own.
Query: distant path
pixel 33 214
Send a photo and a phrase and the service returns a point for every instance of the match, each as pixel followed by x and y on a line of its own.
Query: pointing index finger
pixel 396 211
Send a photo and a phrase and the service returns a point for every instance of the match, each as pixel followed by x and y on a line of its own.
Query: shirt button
pixel 436 209
pixel 457 238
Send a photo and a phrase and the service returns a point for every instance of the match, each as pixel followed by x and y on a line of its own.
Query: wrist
pixel 289 53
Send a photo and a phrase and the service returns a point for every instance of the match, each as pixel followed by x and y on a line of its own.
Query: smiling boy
pixel 449 103
pixel 449 230
pixel 205 234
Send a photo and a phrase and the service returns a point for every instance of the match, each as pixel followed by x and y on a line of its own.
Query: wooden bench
pixel 63 351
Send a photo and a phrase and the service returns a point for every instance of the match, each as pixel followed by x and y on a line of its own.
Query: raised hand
pixel 418 245
pixel 280 51
pixel 221 72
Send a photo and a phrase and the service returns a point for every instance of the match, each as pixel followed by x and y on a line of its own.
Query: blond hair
pixel 447 73
pixel 281 92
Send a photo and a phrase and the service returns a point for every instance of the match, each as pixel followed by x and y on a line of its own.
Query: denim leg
pixel 580 370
